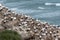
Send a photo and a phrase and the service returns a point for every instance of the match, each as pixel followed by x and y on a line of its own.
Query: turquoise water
pixel 45 10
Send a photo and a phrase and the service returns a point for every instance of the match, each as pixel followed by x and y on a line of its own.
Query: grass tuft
pixel 9 35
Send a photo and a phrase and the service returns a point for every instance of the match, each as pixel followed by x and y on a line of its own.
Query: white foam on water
pixel 14 9
pixel 0 4
pixel 41 8
pixel 49 3
pixel 24 11
pixel 27 11
pixel 57 4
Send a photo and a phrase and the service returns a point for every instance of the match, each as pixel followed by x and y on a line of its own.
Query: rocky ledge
pixel 28 27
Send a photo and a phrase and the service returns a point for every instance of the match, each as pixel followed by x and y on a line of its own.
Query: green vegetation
pixel 9 35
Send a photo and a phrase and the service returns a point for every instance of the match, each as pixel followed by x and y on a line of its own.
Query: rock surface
pixel 26 26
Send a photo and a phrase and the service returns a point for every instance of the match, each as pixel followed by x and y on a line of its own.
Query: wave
pixel 49 3
pixel 29 11
pixel 56 4
pixel 25 11
pixel 14 9
pixel 41 8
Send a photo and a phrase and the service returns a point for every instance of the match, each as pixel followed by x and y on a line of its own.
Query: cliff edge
pixel 26 26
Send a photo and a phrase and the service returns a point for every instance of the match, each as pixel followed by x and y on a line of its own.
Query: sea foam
pixel 49 3
pixel 56 4
pixel 41 8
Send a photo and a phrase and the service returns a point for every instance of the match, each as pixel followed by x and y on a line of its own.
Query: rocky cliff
pixel 28 27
